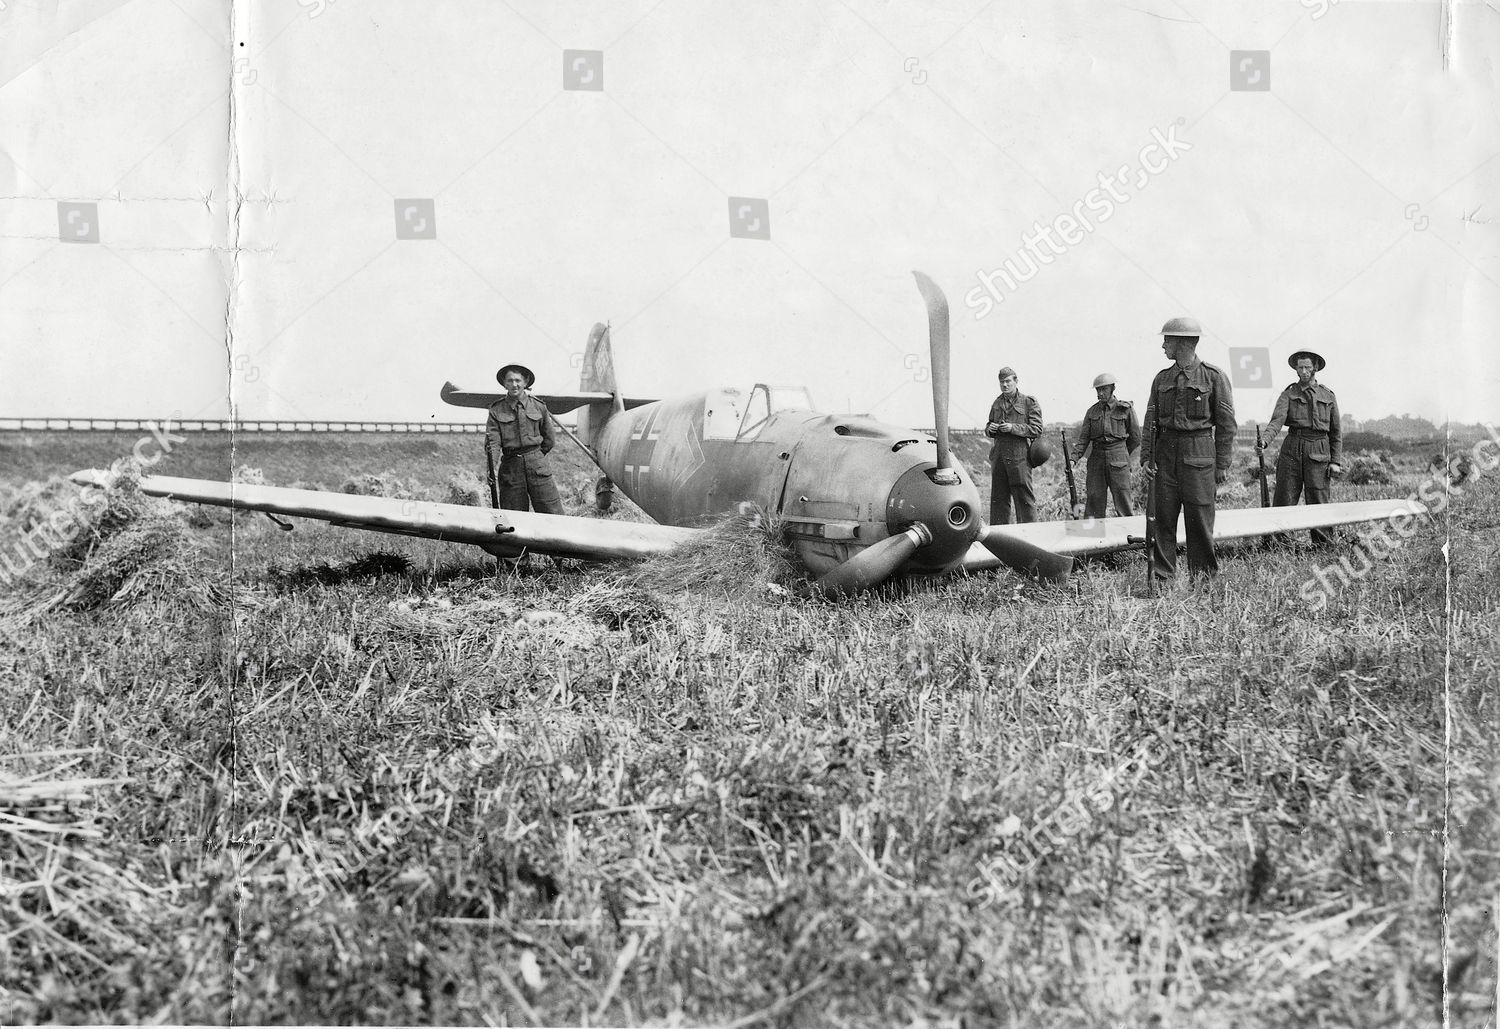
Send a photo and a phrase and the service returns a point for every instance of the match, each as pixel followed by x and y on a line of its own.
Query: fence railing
pixel 1243 436
pixel 226 425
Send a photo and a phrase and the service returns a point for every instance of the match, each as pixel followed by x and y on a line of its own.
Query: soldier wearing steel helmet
pixel 1187 443
pixel 1015 423
pixel 1111 434
pixel 517 438
pixel 1314 448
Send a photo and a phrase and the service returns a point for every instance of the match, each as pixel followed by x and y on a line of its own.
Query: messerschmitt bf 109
pixel 861 501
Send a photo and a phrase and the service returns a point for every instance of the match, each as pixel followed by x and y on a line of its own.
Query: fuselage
pixel 839 482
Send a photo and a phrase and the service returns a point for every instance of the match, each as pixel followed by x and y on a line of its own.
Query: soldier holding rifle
pixel 517 439
pixel 1111 435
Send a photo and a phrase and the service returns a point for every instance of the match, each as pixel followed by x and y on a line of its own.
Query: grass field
pixel 326 776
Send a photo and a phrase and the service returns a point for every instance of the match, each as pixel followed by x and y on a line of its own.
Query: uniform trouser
pixel 1109 473
pixel 1302 470
pixel 525 481
pixel 1010 483
pixel 1184 485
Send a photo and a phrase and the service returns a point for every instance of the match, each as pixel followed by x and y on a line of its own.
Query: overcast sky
pixel 247 223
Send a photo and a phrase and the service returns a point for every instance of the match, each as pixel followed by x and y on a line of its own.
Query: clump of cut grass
pixel 119 546
pixel 617 605
pixel 1371 469
pixel 384 484
pixel 139 545
pixel 744 556
pixel 152 556
pixel 465 488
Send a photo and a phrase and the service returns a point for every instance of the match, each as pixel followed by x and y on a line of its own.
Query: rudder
pixel 597 375
pixel 598 372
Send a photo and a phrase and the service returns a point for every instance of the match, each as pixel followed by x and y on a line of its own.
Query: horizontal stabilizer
pixel 1082 536
pixel 507 532
pixel 557 403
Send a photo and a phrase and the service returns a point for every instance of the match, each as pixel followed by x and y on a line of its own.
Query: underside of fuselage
pixel 839 482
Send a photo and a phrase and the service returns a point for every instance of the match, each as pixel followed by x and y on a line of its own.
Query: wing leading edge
pixel 505 533
pixel 1080 537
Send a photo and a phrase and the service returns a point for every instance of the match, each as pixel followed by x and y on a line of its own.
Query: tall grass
pixel 426 790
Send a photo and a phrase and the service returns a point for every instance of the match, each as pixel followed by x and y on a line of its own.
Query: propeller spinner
pixel 939 525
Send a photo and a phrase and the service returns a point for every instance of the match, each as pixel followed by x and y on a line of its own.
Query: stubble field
pixel 327 776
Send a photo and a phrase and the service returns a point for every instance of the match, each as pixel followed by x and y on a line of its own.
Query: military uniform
pixel 519 433
pixel 1010 471
pixel 1189 432
pixel 1111 434
pixel 1314 442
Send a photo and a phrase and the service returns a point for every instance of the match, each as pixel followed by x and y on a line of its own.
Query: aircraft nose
pixel 950 512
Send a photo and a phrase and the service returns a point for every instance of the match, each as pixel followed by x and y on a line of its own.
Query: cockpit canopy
pixel 732 413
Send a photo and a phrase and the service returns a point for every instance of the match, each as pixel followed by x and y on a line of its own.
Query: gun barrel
pixel 1068 473
pixel 1260 456
pixel 1150 540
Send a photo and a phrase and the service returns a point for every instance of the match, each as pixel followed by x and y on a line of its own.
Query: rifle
pixel 489 470
pixel 1260 455
pixel 1072 483
pixel 1150 531
pixel 1148 542
pixel 1148 460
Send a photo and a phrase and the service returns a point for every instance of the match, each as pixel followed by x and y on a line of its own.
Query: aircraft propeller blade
pixel 1027 558
pixel 937 336
pixel 874 564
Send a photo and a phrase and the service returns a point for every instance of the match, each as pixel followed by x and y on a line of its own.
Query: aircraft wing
pixel 557 403
pixel 500 532
pixel 1078 537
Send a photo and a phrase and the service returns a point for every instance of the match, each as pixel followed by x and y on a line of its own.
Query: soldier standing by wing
pixel 1015 420
pixel 1111 434
pixel 519 434
pixel 1187 443
pixel 1314 446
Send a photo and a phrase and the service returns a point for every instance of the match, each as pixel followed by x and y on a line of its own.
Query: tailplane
pixel 599 395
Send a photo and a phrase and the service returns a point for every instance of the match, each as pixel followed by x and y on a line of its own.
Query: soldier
pixel 1111 434
pixel 1015 420
pixel 1186 446
pixel 1314 447
pixel 520 430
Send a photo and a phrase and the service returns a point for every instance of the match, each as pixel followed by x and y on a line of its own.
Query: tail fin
pixel 598 373
pixel 598 376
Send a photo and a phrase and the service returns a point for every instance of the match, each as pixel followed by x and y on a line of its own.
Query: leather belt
pixel 1186 432
pixel 1297 430
pixel 518 451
